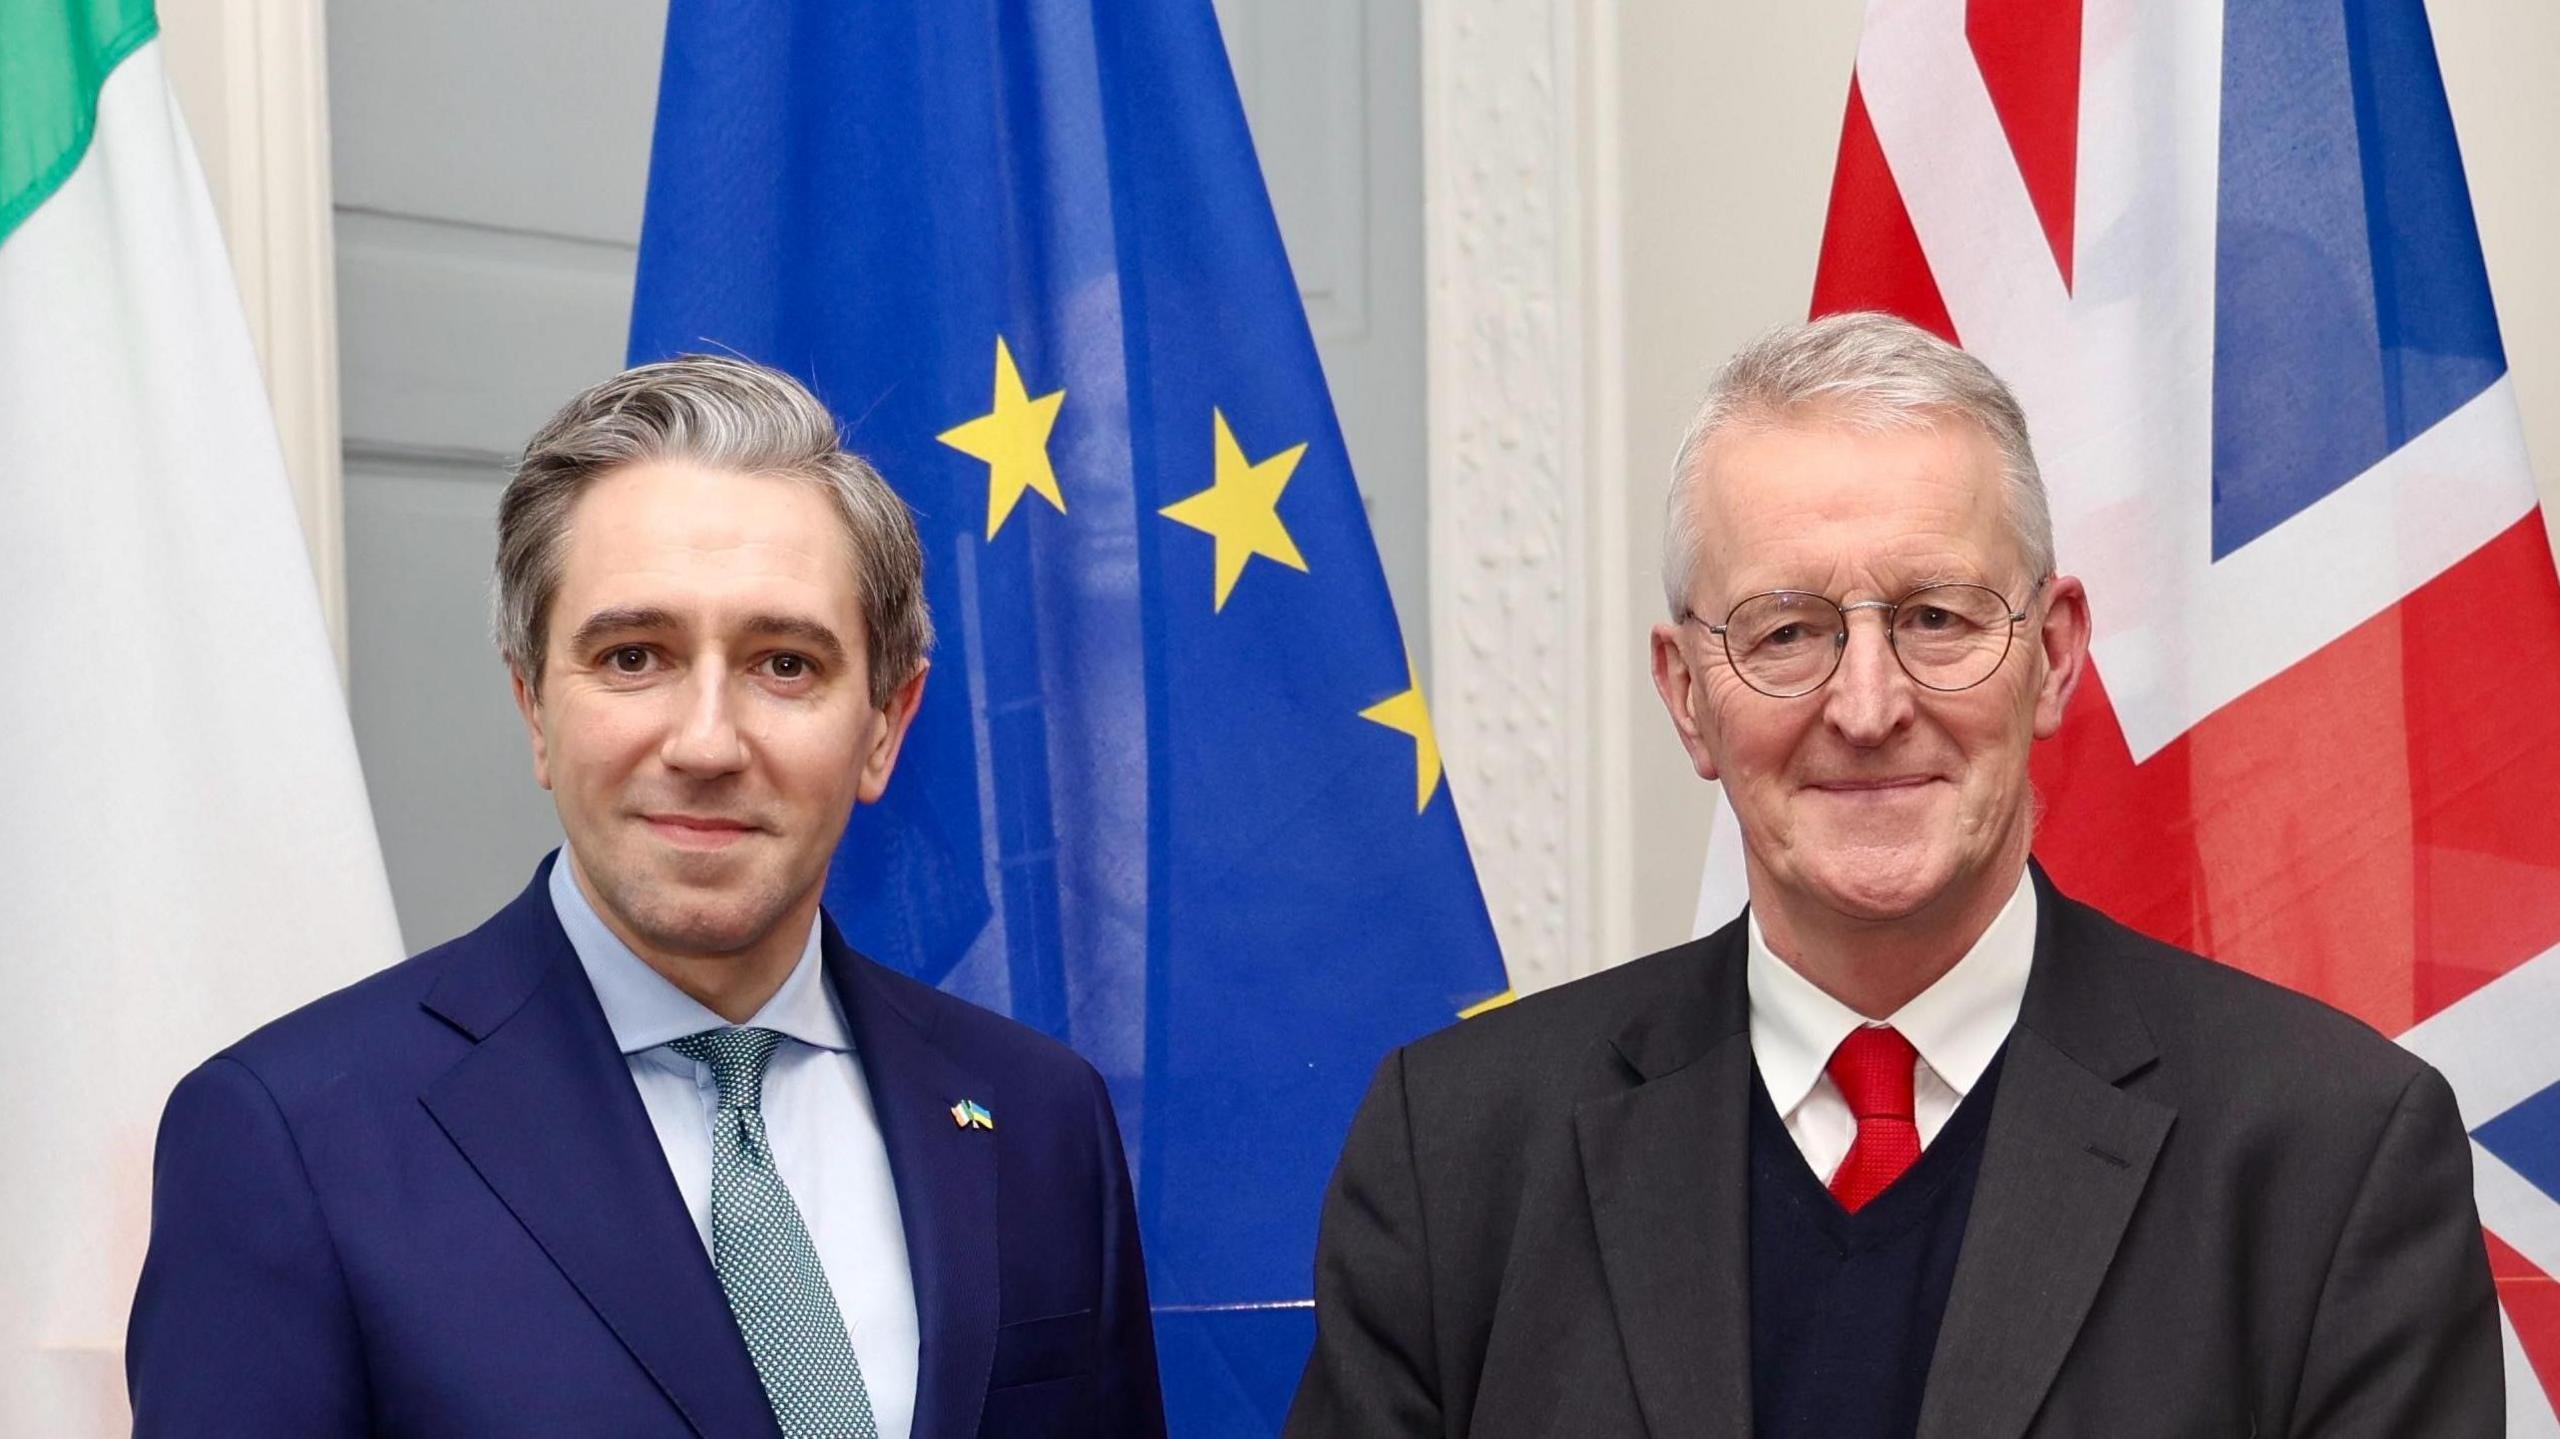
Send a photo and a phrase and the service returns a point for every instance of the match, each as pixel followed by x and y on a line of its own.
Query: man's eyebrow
pixel 618 621
pixel 627 620
pixel 807 631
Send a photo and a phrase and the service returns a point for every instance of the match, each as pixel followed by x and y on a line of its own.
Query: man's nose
pixel 1870 696
pixel 706 739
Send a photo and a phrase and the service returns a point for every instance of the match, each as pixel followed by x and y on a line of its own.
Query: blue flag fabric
pixel 1173 795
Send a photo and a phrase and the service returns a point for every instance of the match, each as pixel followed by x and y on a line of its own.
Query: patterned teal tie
pixel 767 1265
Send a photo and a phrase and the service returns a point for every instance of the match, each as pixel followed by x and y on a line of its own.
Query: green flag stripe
pixel 54 54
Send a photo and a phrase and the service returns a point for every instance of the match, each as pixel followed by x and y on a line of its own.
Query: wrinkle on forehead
pixel 708 550
pixel 1853 514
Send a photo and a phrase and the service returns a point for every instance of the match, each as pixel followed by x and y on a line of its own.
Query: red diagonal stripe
pixel 2374 826
pixel 2029 55
pixel 2532 1301
pixel 1871 256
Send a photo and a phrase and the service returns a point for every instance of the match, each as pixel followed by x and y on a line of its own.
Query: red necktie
pixel 1873 1069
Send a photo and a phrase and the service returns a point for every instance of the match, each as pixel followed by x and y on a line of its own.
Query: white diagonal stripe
pixel 2474 1041
pixel 1959 179
pixel 2516 1211
pixel 2529 1414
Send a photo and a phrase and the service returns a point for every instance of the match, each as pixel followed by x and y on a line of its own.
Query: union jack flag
pixel 2225 254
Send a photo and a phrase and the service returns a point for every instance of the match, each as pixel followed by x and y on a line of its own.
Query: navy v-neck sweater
pixel 1845 1307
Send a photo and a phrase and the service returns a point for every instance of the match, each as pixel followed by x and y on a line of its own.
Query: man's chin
pixel 702 932
pixel 702 905
pixel 1880 888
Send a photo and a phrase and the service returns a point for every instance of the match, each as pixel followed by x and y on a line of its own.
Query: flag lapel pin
pixel 970 1114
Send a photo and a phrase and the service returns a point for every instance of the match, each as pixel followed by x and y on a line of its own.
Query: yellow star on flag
pixel 1241 509
pixel 1013 438
pixel 1407 714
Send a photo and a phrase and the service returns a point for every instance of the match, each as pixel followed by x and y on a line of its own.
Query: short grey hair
pixel 1865 371
pixel 724 414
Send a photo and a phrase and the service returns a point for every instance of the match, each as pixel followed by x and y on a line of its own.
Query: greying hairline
pixel 723 413
pixel 1865 371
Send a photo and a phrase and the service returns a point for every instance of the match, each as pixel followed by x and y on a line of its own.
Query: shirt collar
pixel 645 1011
pixel 1957 1024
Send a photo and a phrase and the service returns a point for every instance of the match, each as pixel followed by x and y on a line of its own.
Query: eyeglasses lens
pixel 1948 637
pixel 1951 637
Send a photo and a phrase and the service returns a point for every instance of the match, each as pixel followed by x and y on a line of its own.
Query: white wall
pixel 1728 116
pixel 490 160
pixel 2497 57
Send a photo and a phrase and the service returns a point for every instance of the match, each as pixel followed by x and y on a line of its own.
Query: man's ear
pixel 1682 689
pixel 2063 635
pixel 899 713
pixel 529 705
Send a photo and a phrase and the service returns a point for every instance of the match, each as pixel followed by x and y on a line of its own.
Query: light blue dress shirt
pixel 817 1110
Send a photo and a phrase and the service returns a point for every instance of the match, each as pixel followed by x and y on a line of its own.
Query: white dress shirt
pixel 817 1111
pixel 1958 1024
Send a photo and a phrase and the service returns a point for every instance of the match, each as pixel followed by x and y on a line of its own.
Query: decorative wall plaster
pixel 1510 586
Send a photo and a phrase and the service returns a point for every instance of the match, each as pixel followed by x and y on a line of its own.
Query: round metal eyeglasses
pixel 1788 643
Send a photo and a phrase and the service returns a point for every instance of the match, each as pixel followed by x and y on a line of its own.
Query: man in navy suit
pixel 652 1151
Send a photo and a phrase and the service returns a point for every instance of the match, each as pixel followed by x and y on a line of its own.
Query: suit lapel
pixel 544 1109
pixel 1666 1166
pixel 2063 1165
pixel 946 1181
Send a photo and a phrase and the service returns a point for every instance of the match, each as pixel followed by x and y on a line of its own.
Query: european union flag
pixel 1173 795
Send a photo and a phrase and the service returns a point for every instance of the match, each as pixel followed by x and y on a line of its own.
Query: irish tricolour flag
pixel 184 844
pixel 2224 251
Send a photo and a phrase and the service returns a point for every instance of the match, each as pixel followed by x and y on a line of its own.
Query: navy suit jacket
pixel 432 1204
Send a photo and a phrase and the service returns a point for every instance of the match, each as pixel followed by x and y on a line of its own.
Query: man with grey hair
pixel 1918 1145
pixel 653 1151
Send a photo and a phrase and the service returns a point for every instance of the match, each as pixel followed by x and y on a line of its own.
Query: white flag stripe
pixel 1959 181
pixel 2203 632
pixel 2517 1212
pixel 1726 887
pixel 186 850
pixel 2472 1040
pixel 2529 1414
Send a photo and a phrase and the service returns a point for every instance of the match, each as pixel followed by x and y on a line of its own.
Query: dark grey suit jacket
pixel 2207 1206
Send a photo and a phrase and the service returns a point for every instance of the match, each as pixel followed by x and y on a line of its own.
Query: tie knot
pixel 1873 1069
pixel 737 1059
